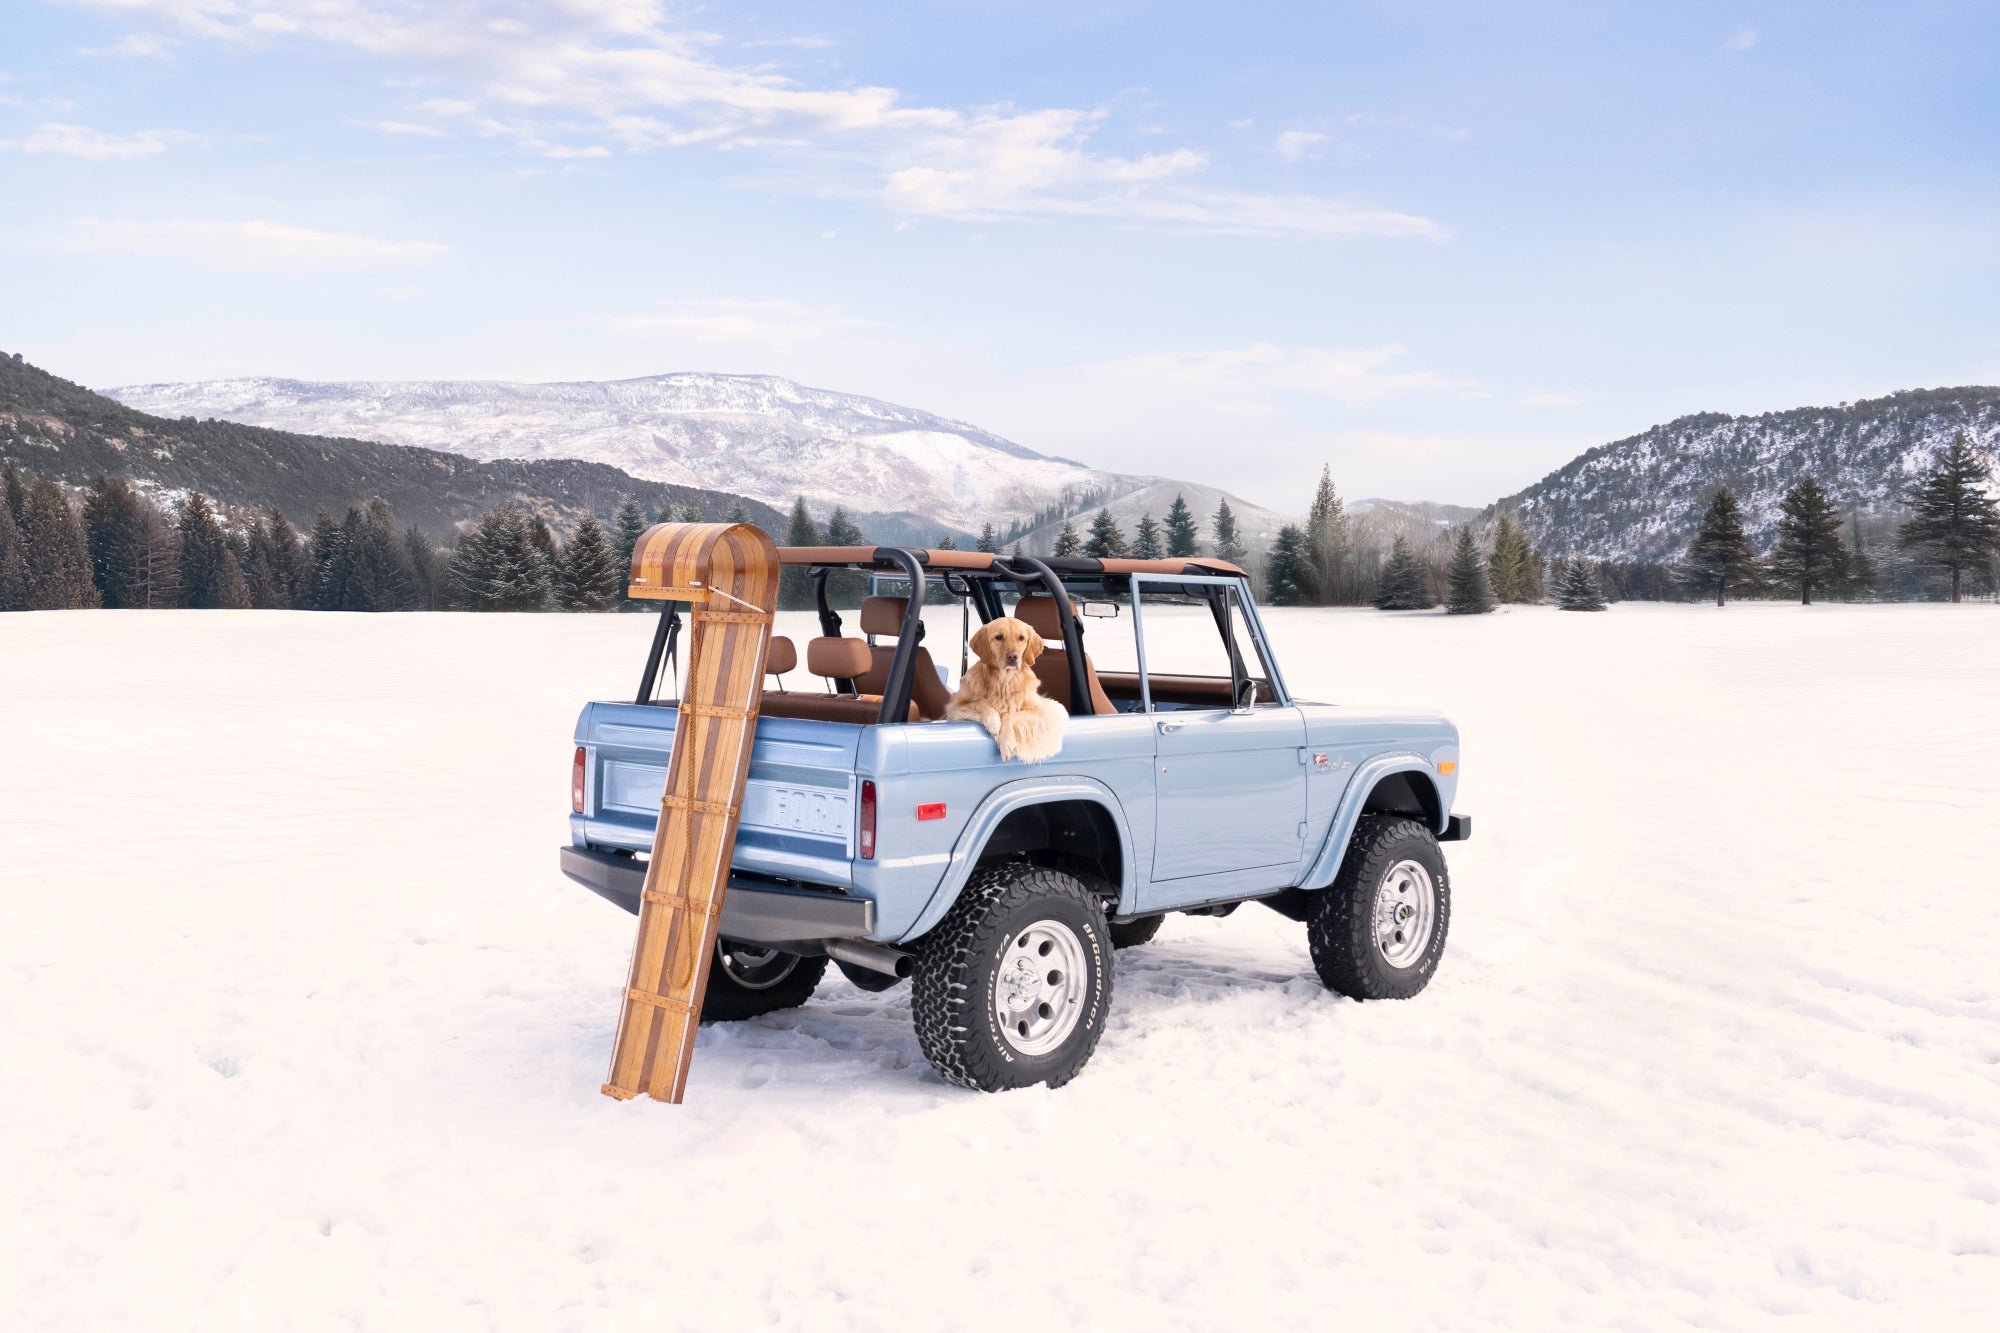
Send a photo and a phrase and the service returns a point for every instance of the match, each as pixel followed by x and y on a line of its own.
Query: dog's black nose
pixel 1013 659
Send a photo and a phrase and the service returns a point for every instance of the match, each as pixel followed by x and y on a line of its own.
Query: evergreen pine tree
pixel 627 526
pixel 420 559
pixel 210 577
pixel 290 562
pixel 1228 544
pixel 1470 592
pixel 16 493
pixel 499 566
pixel 1107 539
pixel 738 513
pixel 545 542
pixel 844 587
pixel 1809 553
pixel 1183 536
pixel 1955 525
pixel 114 530
pixel 691 512
pixel 1287 570
pixel 1720 555
pixel 988 542
pixel 256 554
pixel 1147 542
pixel 322 583
pixel 1067 542
pixel 1017 550
pixel 1513 565
pixel 13 563
pixel 589 579
pixel 842 530
pixel 794 589
pixel 54 550
pixel 1403 586
pixel 1327 544
pixel 1580 589
pixel 1860 565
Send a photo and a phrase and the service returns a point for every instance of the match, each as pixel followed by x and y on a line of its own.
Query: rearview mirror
pixel 1101 610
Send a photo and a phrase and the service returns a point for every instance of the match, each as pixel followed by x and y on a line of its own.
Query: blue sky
pixel 1442 247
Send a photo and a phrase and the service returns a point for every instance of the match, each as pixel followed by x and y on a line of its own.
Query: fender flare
pixel 1003 801
pixel 1366 778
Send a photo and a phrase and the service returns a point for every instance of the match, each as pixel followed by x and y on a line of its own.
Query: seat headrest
pixel 782 656
pixel 883 615
pixel 838 659
pixel 1039 613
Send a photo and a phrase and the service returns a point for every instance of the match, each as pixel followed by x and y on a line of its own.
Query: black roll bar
pixel 666 636
pixel 897 688
pixel 1027 566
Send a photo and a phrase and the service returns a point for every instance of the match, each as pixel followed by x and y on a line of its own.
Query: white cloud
pixel 587 78
pixel 779 325
pixel 135 46
pixel 1543 398
pixel 254 246
pixel 1357 377
pixel 1292 144
pixel 97 145
pixel 406 129
pixel 1738 42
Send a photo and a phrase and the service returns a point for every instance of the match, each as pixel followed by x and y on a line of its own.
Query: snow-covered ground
pixel 303 1029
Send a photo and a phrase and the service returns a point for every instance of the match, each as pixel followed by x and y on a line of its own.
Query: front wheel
pixel 1013 987
pixel 745 981
pixel 1378 933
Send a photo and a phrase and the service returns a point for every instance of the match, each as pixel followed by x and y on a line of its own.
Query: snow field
pixel 305 1030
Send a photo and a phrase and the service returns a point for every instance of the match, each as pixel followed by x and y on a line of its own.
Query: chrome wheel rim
pixel 753 968
pixel 1039 986
pixel 1405 913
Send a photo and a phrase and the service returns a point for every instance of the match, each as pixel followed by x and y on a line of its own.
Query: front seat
pixel 884 616
pixel 1052 667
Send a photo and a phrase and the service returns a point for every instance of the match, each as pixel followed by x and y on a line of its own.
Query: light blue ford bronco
pixel 880 838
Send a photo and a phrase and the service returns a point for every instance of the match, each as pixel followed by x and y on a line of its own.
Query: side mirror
pixel 1246 695
pixel 1100 610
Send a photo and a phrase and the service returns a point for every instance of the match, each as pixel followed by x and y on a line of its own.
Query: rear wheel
pixel 1013 987
pixel 1379 932
pixel 745 981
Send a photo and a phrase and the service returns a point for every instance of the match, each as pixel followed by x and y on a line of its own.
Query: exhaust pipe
pixel 875 957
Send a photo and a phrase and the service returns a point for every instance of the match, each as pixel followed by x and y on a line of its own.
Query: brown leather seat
pixel 884 616
pixel 780 657
pixel 1052 667
pixel 835 660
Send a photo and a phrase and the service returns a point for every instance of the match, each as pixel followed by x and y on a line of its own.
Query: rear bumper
pixel 1457 828
pixel 752 912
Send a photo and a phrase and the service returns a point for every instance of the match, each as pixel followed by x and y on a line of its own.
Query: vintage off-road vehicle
pixel 896 845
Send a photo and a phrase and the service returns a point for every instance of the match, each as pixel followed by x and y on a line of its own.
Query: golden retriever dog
pixel 1000 692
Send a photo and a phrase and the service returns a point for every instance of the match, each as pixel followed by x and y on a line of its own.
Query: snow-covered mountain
pixel 1641 498
pixel 755 435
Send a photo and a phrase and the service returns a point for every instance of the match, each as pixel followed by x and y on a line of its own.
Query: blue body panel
pixel 1208 805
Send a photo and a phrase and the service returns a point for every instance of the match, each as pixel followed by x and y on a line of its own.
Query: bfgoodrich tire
pixel 1379 932
pixel 747 982
pixel 1013 987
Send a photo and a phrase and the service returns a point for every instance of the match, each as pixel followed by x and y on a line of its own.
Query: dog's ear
pixel 1032 649
pixel 982 643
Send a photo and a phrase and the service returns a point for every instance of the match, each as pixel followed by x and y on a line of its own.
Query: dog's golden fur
pixel 1001 693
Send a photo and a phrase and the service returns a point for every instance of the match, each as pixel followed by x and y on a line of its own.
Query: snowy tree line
pixel 118 546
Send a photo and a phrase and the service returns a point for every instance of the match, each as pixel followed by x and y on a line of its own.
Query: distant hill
pixel 62 430
pixel 902 473
pixel 1641 498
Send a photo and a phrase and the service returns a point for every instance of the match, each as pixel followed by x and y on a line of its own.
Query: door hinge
pixel 1302 755
pixel 1302 832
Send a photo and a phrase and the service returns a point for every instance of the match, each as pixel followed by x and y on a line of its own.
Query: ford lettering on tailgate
pixel 815 810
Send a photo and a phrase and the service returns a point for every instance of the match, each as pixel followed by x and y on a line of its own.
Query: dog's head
pixel 1007 644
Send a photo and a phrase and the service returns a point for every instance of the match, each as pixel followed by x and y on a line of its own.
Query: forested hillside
pixel 51 427
pixel 1641 498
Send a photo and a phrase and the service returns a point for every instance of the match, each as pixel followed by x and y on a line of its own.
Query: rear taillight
pixel 867 821
pixel 576 782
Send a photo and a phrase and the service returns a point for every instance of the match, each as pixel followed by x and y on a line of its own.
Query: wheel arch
pixel 1074 817
pixel 1397 783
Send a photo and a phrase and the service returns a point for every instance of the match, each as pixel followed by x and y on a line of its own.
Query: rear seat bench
pixel 833 660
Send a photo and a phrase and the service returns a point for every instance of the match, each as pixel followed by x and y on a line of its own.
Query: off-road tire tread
pixel 1338 931
pixel 942 1000
pixel 727 1002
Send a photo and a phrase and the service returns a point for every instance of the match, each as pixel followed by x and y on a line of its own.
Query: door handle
pixel 1166 727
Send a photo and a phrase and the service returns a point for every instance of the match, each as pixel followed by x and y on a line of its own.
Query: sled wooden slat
pixel 728 574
